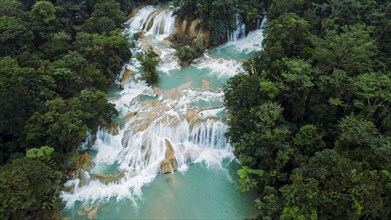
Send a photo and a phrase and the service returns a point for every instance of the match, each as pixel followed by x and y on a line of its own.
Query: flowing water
pixel 178 125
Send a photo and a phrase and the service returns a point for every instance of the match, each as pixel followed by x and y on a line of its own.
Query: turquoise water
pixel 225 51
pixel 178 77
pixel 113 91
pixel 148 97
pixel 198 193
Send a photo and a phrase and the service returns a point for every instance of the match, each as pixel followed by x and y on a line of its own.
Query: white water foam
pixel 222 67
pixel 240 31
pixel 152 21
pixel 168 61
pixel 211 113
pixel 252 42
pixel 139 153
pixel 136 23
pixel 141 144
pixel 163 24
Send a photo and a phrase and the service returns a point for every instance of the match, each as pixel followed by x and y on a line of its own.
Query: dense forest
pixel 56 60
pixel 310 119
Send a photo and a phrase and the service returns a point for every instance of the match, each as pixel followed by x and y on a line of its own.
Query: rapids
pixel 181 120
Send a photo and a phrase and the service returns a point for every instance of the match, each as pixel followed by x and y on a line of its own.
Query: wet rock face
pixel 127 76
pixel 110 178
pixel 83 161
pixel 90 211
pixel 193 29
pixel 169 164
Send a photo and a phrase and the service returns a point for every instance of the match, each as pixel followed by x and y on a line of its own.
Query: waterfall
pixel 240 31
pixel 263 23
pixel 137 22
pixel 140 147
pixel 152 20
pixel 163 23
pixel 158 135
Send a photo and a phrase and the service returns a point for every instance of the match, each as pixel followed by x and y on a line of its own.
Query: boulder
pixel 111 128
pixel 169 163
pixel 81 213
pixel 127 74
pixel 87 208
pixel 92 213
pixel 83 161
pixel 109 178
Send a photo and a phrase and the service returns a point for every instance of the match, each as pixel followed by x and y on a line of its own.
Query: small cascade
pixel 152 20
pixel 240 31
pixel 163 136
pixel 137 22
pixel 222 67
pixel 163 23
pixel 262 24
pixel 251 42
pixel 182 126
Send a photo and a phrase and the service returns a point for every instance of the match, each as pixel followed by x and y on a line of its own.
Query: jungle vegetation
pixel 310 118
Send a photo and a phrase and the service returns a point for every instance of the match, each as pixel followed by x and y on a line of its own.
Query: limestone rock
pixel 193 29
pixel 111 128
pixel 92 213
pixel 129 116
pixel 81 213
pixel 83 161
pixel 205 83
pixel 127 75
pixel 169 164
pixel 109 178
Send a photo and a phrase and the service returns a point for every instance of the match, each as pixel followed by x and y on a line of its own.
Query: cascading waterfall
pixel 168 129
pixel 164 23
pixel 251 42
pixel 178 127
pixel 240 31
pixel 262 24
pixel 140 147
pixel 152 21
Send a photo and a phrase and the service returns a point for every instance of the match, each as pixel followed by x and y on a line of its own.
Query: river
pixel 177 125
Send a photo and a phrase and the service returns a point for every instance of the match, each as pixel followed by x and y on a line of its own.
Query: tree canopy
pixel 56 60
pixel 310 118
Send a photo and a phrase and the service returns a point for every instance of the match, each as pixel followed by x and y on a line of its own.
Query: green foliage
pixel 353 50
pixel 107 51
pixel 186 54
pixel 149 61
pixel 43 153
pixel 312 111
pixel 22 92
pixel 66 122
pixel 246 182
pixel 14 36
pixel 109 9
pixel 269 88
pixel 11 8
pixel 107 16
pixel 50 73
pixel 50 57
pixel 44 11
pixel 357 132
pixel 27 190
pixel 286 36
pixel 59 44
pixel 218 16
pixel 187 48
pixel 335 186
pixel 308 140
